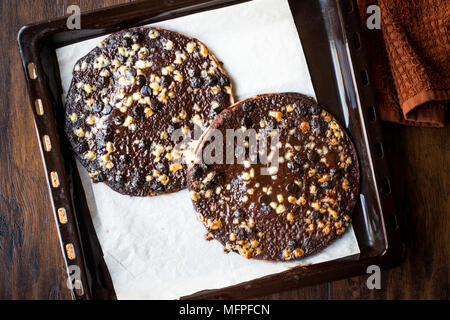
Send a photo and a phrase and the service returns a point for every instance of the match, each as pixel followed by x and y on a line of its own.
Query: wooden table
pixel 31 264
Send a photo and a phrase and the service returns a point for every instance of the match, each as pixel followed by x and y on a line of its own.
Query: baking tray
pixel 330 32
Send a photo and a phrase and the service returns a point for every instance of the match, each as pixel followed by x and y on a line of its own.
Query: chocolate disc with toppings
pixel 129 100
pixel 280 202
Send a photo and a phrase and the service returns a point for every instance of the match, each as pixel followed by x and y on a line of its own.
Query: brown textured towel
pixel 410 60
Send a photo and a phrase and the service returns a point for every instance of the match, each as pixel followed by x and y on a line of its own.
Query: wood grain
pixel 31 265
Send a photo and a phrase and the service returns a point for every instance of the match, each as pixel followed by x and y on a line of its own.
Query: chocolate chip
pixel 146 91
pixel 292 123
pixel 309 245
pixel 161 168
pixel 251 233
pixel 336 173
pixel 318 125
pixel 140 80
pixel 176 126
pixel 270 124
pixel 146 142
pixel 120 179
pixel 214 112
pixel 299 158
pixel 224 81
pixel 158 187
pixel 108 133
pixel 300 110
pixel 198 170
pixel 107 109
pixel 240 235
pixel 313 156
pixel 239 214
pixel 97 106
pixel 314 110
pixel 137 181
pixel 138 110
pixel 326 185
pixel 292 188
pixel 119 119
pixel 295 168
pixel 265 200
pixel 122 59
pixel 218 178
pixel 155 104
pixel 100 177
pixel 266 209
pixel 126 42
pixel 196 82
pixel 223 98
pixel 321 167
pixel 131 72
pixel 109 42
pixel 211 80
pixel 314 215
pixel 137 37
pixel 166 81
pixel 125 158
pixel 192 72
pixel 83 147
pixel 103 81
pixel 292 245
pixel 248 106
pixel 320 190
pixel 315 122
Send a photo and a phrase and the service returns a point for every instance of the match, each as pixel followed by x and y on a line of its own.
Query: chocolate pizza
pixel 131 99
pixel 283 186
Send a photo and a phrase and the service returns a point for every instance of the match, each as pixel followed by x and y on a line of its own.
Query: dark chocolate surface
pixel 129 95
pixel 294 211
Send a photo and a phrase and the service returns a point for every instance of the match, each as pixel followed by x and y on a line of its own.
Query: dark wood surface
pixel 31 265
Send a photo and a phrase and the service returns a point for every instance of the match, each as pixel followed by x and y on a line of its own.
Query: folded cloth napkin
pixel 410 60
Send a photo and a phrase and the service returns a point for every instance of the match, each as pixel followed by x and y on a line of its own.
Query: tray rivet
pixel 348 6
pixel 32 70
pixel 54 179
pixel 379 149
pixel 364 77
pixel 356 40
pixel 39 107
pixel 62 216
pixel 386 185
pixel 372 114
pixel 70 250
pixel 47 143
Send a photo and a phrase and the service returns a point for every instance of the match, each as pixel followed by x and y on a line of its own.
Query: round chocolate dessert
pixel 132 102
pixel 287 181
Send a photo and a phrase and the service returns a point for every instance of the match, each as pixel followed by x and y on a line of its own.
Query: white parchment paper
pixel 155 247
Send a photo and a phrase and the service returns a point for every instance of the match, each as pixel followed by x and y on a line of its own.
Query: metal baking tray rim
pixel 36 42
